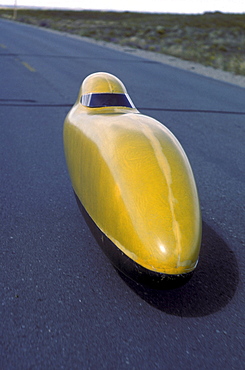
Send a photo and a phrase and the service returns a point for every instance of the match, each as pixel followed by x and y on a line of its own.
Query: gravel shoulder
pixel 216 74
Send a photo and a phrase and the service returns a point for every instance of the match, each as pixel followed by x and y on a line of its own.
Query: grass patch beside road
pixel 212 39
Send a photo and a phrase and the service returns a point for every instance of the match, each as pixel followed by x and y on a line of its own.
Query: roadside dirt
pixel 216 74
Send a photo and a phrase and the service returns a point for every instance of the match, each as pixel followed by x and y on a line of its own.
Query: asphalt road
pixel 63 305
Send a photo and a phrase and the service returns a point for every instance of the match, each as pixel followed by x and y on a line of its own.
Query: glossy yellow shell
pixel 135 182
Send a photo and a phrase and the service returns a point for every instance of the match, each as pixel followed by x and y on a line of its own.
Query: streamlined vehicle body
pixel 133 183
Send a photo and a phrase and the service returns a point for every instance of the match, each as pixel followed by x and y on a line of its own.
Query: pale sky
pixel 162 6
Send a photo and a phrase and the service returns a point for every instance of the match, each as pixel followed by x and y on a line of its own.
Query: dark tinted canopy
pixel 107 100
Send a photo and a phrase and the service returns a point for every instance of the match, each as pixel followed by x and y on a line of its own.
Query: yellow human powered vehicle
pixel 133 183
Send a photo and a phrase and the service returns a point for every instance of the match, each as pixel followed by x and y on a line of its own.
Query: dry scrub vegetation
pixel 213 39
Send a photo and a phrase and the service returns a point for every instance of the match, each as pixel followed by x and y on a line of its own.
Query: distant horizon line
pixel 19 7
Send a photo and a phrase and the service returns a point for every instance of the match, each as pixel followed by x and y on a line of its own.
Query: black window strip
pixel 106 100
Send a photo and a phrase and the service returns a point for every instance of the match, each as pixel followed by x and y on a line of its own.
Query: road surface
pixel 63 305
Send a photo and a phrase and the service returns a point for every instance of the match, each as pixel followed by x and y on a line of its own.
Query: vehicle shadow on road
pixel 210 289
